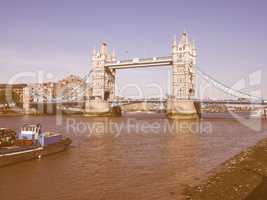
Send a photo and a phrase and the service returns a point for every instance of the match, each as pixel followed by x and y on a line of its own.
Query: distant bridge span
pixel 123 102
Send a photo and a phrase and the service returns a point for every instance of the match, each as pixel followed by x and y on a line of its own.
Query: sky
pixel 56 38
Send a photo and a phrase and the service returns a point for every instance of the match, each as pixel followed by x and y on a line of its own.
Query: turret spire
pixel 184 42
pixel 193 44
pixel 94 51
pixel 174 43
pixel 113 55
pixel 103 48
pixel 194 50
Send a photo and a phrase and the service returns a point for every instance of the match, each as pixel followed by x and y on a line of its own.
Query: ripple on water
pixel 133 165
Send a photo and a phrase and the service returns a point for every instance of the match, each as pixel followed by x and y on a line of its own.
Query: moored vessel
pixel 30 143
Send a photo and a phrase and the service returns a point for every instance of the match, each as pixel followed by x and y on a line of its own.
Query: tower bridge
pixel 186 94
pixel 182 62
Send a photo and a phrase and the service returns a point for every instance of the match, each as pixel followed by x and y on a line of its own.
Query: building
pixel 42 92
pixel 11 93
pixel 71 88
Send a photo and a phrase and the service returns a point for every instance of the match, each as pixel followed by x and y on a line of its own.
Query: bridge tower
pixel 181 104
pixel 103 79
pixel 184 73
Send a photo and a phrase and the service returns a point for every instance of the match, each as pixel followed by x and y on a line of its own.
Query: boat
pixel 30 143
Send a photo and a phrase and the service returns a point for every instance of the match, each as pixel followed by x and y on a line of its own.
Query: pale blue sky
pixel 57 36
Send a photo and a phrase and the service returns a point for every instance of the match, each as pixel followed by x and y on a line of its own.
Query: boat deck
pixel 14 149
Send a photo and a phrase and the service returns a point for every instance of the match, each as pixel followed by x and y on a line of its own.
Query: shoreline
pixel 11 114
pixel 242 177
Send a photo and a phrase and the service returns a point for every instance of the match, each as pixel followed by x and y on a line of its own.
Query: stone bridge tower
pixel 103 78
pixel 181 104
pixel 103 83
pixel 184 72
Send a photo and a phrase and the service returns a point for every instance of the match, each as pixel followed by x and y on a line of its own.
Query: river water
pixel 137 156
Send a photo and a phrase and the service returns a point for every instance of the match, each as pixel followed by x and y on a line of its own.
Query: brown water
pixel 146 161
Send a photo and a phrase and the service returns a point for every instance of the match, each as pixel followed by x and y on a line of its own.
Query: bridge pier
pixel 101 108
pixel 182 109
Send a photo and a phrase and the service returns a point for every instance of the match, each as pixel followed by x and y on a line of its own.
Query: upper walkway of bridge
pixel 140 62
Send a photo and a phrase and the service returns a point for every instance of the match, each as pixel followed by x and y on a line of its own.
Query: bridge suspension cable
pixel 226 89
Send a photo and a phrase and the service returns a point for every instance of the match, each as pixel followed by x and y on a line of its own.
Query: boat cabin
pixel 30 132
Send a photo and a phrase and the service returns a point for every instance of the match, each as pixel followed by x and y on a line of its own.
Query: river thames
pixel 137 156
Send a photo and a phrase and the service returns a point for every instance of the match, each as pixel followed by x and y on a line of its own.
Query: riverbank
pixel 242 177
pixel 11 114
